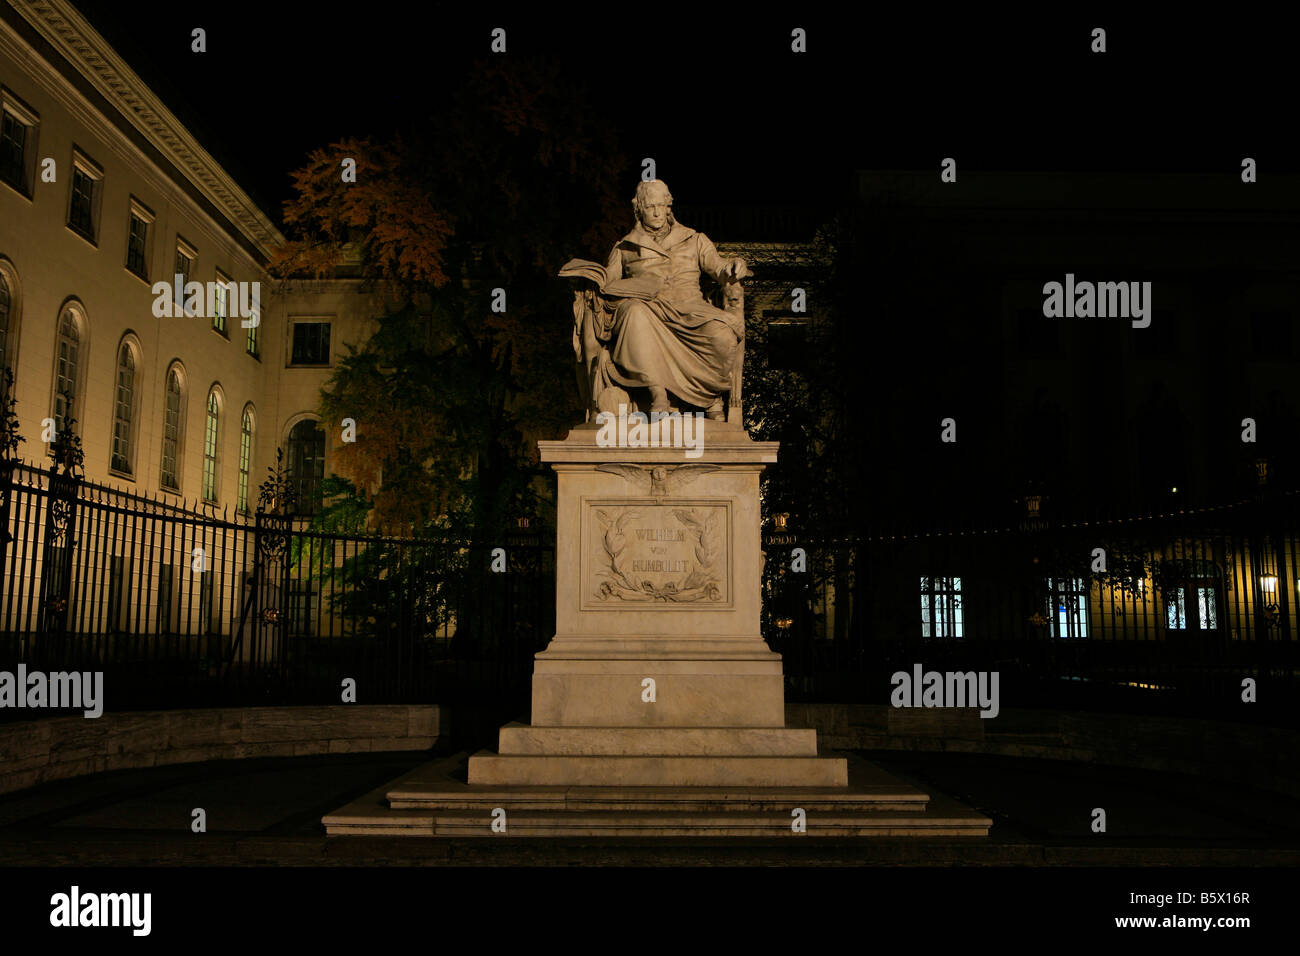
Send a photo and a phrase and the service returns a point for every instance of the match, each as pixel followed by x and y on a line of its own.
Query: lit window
pixel 211 432
pixel 170 477
pixel 221 302
pixel 1067 607
pixel 1192 607
pixel 245 456
pixel 250 342
pixel 67 354
pixel 124 396
pixel 941 611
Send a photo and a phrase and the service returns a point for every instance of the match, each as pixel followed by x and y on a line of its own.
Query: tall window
pixel 306 465
pixel 83 206
pixel 171 444
pixel 221 302
pixel 250 341
pixel 941 611
pixel 13 151
pixel 122 405
pixel 1067 607
pixel 245 456
pixel 4 324
pixel 185 257
pixel 311 343
pixel 18 128
pixel 137 240
pixel 211 430
pixel 67 351
pixel 1192 606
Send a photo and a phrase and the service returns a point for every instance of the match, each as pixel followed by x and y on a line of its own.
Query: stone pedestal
pixel 658 674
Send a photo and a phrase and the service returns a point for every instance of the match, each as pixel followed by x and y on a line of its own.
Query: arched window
pixel 173 430
pixel 306 465
pixel 245 455
pixel 4 323
pixel 123 404
pixel 67 353
pixel 211 444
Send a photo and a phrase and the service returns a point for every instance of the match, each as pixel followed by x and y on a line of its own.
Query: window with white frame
pixel 222 290
pixel 173 430
pixel 211 445
pixel 123 405
pixel 86 192
pixel 245 456
pixel 139 226
pixel 1192 605
pixel 251 339
pixel 67 358
pixel 184 267
pixel 1067 607
pixel 941 607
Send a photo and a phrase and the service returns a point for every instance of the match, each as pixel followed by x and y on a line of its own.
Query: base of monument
pixel 435 800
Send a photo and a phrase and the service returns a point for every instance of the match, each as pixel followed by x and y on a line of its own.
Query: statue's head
pixel 653 204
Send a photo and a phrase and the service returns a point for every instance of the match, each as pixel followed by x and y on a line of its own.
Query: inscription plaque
pixel 651 553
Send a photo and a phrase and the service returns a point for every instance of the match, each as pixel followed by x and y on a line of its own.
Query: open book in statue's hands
pixel 639 287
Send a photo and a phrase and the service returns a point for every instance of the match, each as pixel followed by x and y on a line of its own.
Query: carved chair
pixel 593 316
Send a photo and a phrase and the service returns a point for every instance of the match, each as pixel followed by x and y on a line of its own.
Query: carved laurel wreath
pixel 702 584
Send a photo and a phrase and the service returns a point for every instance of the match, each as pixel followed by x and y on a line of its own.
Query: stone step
pixel 677 771
pixel 416 796
pixel 518 739
pixel 434 800
pixel 627 823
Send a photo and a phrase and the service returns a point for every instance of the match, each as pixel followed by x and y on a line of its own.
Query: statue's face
pixel 654 209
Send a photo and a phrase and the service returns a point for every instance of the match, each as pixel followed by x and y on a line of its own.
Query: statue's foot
pixel 715 412
pixel 659 399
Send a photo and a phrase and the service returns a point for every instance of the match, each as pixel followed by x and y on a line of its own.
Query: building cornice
pixel 90 55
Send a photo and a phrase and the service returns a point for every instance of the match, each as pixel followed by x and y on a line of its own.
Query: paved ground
pixel 267 812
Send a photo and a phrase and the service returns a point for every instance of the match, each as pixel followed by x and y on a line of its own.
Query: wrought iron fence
pixel 1159 613
pixel 181 606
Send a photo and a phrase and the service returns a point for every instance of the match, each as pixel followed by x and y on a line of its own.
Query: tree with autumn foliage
pixel 511 175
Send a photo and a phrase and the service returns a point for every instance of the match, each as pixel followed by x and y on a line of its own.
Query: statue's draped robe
pixel 677 339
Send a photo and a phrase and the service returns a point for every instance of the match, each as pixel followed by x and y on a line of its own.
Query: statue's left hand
pixel 739 270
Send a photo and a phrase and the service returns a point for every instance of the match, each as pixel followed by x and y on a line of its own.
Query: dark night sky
pixel 280 79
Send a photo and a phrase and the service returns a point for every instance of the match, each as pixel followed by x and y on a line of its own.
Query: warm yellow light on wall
pixel 1268 584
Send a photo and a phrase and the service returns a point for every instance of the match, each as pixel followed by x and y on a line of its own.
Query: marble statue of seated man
pixel 674 342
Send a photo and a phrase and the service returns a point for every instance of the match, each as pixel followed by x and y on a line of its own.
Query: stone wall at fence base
pixel 37 751
pixel 1258 756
